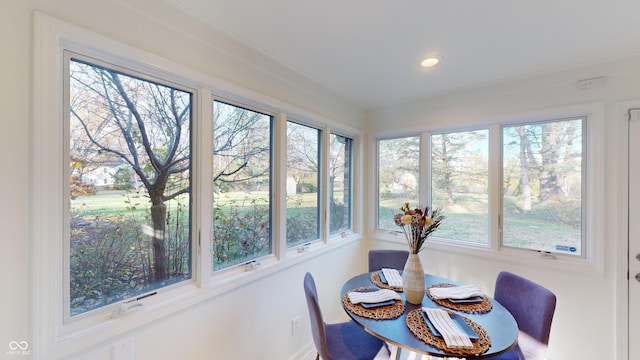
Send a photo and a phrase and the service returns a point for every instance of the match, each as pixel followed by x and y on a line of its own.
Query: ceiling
pixel 369 51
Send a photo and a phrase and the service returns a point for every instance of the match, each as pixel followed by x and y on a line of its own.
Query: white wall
pixel 590 315
pixel 253 321
pixel 14 213
pixel 250 322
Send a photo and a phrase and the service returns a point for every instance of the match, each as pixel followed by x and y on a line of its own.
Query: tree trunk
pixel 447 171
pixel 524 170
pixel 158 216
pixel 550 153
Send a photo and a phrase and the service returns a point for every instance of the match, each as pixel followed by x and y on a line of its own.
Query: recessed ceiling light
pixel 430 61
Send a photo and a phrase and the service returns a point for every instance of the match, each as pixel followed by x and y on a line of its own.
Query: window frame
pixel 583 191
pixel 69 56
pixel 592 261
pixel 351 159
pixel 54 338
pixel 322 166
pixel 428 158
pixel 270 258
pixel 423 166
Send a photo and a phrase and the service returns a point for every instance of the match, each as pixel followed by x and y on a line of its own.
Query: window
pixel 398 175
pixel 145 197
pixel 542 177
pixel 241 185
pixel 132 234
pixel 523 189
pixel 340 193
pixel 460 184
pixel 303 182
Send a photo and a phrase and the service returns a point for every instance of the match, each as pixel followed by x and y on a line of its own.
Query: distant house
pixel 101 177
pixel 104 177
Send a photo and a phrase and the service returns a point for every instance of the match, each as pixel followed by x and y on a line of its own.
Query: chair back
pixel 383 258
pixel 315 315
pixel 532 306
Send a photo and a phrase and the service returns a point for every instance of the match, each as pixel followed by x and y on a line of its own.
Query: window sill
pixel 101 327
pixel 552 261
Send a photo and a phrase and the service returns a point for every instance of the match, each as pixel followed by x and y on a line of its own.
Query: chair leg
pixel 394 352
pixel 414 356
pixel 317 356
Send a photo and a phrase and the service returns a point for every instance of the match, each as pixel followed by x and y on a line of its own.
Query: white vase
pixel 413 284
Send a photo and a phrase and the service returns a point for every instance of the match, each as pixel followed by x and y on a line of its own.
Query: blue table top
pixel 499 323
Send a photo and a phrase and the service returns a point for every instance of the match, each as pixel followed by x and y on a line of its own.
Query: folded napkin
pixel 393 277
pixel 451 333
pixel 373 297
pixel 455 292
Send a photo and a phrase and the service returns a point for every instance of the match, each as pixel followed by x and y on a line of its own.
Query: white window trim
pixel 52 338
pixel 322 166
pixel 327 198
pixel 196 202
pixel 593 260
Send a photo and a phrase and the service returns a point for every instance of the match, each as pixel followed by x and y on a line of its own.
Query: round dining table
pixel 499 324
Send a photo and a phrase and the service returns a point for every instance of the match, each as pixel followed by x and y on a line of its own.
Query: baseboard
pixel 308 352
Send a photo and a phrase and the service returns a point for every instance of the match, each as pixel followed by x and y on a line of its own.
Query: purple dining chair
pixel 340 341
pixel 391 259
pixel 532 306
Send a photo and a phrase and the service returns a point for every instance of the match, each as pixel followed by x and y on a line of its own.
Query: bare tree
pixel 339 169
pixel 451 151
pixel 302 152
pixel 241 146
pixel 398 161
pixel 525 153
pixel 555 150
pixel 445 157
pixel 547 155
pixel 143 124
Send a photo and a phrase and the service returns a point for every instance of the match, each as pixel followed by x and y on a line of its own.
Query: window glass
pixel 340 183
pixel 303 181
pixel 129 186
pixel 460 184
pixel 398 174
pixel 542 186
pixel 241 185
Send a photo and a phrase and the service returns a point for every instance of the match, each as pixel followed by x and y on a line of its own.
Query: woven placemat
pixel 420 329
pixel 379 313
pixel 479 307
pixel 375 278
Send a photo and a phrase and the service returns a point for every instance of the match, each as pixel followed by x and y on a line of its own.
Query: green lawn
pixel 467 219
pixel 542 229
pixel 110 203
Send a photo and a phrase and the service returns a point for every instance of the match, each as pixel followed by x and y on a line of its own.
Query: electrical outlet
pixel 295 326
